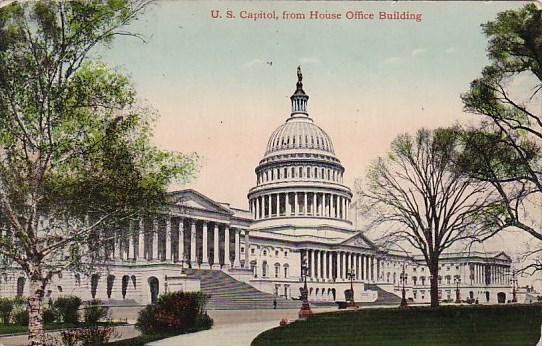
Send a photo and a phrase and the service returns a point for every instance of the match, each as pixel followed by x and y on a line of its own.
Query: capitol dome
pixel 299 132
pixel 300 179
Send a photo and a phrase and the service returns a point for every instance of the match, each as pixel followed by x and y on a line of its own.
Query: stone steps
pixel 227 293
pixel 384 297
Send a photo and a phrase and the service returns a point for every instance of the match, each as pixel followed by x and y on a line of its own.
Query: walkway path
pixel 225 335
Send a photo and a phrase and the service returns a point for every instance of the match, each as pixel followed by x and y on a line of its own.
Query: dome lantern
pixel 299 98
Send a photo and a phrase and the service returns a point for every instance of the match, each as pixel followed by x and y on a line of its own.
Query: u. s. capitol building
pixel 299 217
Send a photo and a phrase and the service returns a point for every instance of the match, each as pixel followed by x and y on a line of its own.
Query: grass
pixel 445 326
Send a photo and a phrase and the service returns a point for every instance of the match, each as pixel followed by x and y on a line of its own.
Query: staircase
pixel 384 297
pixel 227 293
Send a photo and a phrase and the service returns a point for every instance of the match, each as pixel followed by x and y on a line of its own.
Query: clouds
pixel 417 51
pixel 310 61
pixel 392 61
pixel 252 63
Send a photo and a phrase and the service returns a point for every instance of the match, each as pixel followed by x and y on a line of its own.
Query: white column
pixel 131 254
pixel 314 203
pixel 193 258
pixel 372 268
pixel 296 204
pixel 181 241
pixel 205 254
pixel 141 239
pixel 227 246
pixel 247 249
pixel 305 209
pixel 326 257
pixel 312 264
pixel 116 245
pixel 155 239
pixel 278 204
pixel 168 238
pixel 216 248
pixel 236 262
pixel 287 204
pixel 257 213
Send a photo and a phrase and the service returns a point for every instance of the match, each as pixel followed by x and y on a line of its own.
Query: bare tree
pixel 427 203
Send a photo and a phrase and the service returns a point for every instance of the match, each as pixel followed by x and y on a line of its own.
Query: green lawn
pixel 451 325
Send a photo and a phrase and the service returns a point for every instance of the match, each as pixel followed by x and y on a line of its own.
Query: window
pixel 242 249
pixel 276 253
pixel 285 253
pixel 265 252
pixel 264 268
pixel 285 271
pixel 277 270
pixel 252 251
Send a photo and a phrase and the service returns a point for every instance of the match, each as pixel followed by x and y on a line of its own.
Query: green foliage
pixel 49 316
pixel 20 317
pixel 6 308
pixel 175 312
pixel 67 309
pixel 94 311
pixel 91 336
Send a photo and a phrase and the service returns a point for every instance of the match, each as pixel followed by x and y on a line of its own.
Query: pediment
pixel 192 199
pixel 358 240
pixel 503 256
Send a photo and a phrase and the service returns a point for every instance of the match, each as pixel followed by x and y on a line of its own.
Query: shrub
pixel 175 312
pixel 94 311
pixel 93 336
pixel 67 308
pixel 20 317
pixel 49 315
pixel 6 308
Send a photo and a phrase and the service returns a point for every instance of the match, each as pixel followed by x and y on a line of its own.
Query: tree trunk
pixel 35 304
pixel 433 270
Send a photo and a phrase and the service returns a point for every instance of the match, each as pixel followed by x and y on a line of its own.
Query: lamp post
pixel 351 275
pixel 305 310
pixel 457 280
pixel 403 278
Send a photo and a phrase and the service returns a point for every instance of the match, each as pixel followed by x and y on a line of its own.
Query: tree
pixel 76 159
pixel 427 203
pixel 505 149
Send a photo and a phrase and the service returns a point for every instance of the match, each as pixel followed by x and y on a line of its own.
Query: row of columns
pixel 299 172
pixel 334 265
pixel 300 204
pixel 489 274
pixel 194 242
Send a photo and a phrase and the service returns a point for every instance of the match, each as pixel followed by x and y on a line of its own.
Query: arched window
pixel 134 281
pixel 277 270
pixel 154 288
pixel 285 271
pixel 264 268
pixel 110 282
pixel 300 172
pixel 125 282
pixel 94 285
pixel 293 172
pixel 20 286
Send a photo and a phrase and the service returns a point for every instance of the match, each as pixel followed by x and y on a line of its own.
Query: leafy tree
pixel 427 203
pixel 505 149
pixel 76 159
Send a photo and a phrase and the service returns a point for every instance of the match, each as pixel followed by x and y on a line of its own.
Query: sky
pixel 223 85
